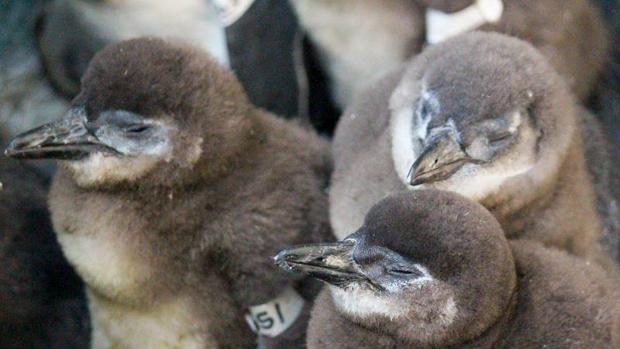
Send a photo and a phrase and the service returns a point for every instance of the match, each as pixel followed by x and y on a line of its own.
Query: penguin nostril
pixel 288 257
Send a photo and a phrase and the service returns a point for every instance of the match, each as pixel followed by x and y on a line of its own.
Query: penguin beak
pixel 441 157
pixel 332 263
pixel 66 139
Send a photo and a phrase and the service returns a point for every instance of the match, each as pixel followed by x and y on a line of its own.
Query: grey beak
pixel 330 262
pixel 67 139
pixel 441 157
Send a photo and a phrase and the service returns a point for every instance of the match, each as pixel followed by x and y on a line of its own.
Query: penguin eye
pixel 137 129
pixel 404 271
pixel 499 137
pixel 401 271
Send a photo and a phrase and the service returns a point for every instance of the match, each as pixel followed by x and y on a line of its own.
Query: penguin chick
pixel 571 34
pixel 359 41
pixel 431 269
pixel 483 115
pixel 42 304
pixel 172 193
pixel 72 31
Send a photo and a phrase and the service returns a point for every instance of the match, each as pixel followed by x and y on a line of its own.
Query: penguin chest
pixel 170 325
pixel 103 242
pixel 105 265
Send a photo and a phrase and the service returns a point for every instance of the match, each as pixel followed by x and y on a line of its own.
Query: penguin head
pixel 470 113
pixel 146 107
pixel 427 259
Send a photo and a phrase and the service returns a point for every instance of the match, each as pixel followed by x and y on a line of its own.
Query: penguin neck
pixel 561 197
pixel 388 333
pixel 492 337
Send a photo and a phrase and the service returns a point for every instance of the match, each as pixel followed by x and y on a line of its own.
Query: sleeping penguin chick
pixel 172 194
pixel 359 41
pixel 431 269
pixel 483 115
pixel 570 33
pixel 42 304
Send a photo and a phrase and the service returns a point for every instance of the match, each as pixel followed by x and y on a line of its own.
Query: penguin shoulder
pixel 563 300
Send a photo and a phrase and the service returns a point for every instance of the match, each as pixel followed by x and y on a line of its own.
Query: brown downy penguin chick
pixel 359 41
pixel 570 33
pixel 431 269
pixel 483 115
pixel 173 194
pixel 42 304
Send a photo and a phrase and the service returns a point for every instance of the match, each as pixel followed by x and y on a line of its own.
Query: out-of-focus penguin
pixel 361 40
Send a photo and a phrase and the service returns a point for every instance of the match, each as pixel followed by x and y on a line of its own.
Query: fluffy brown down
pixel 539 204
pixel 203 228
pixel 559 301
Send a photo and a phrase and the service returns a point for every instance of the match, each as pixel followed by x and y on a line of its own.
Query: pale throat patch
pixel 359 301
pixel 409 128
pixel 100 168
pixel 441 26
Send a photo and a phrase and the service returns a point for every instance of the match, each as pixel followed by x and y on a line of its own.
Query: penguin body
pixel 513 150
pixel 432 269
pixel 358 41
pixel 350 35
pixel 174 193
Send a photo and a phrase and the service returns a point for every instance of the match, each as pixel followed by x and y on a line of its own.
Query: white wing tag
pixel 231 10
pixel 276 316
pixel 441 26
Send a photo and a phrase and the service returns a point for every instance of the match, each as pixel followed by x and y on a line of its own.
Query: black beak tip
pixel 415 181
pixel 10 150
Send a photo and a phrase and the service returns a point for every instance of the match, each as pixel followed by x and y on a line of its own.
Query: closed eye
pixel 137 129
pixel 500 137
pixel 402 271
